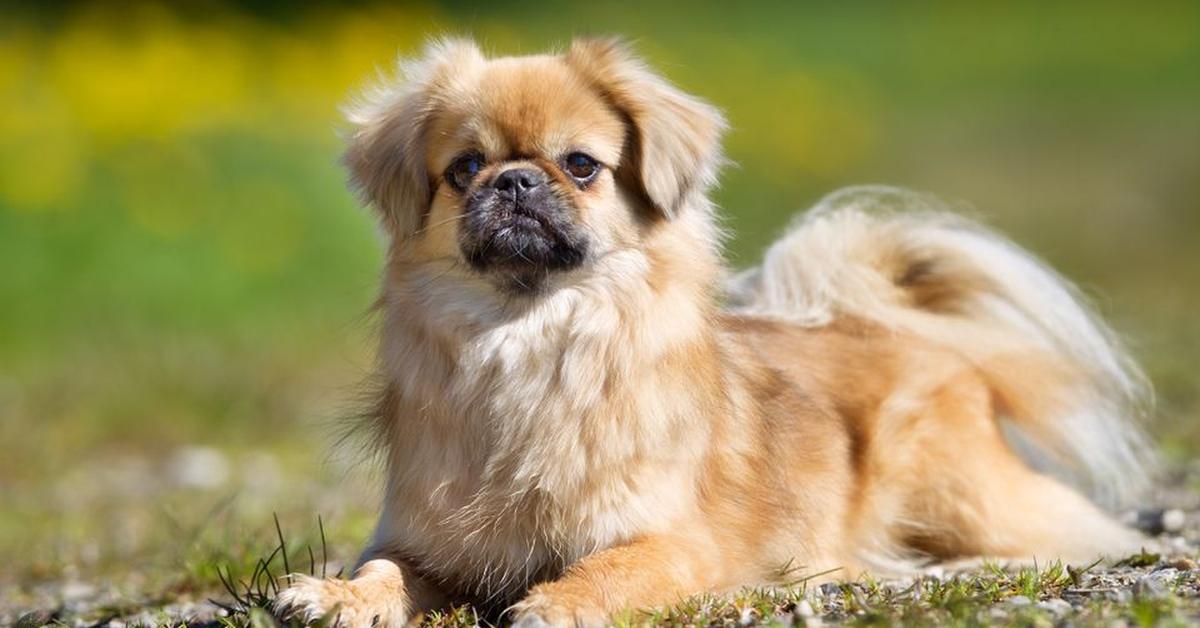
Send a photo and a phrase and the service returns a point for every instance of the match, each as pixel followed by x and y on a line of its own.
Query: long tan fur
pixel 903 260
pixel 570 443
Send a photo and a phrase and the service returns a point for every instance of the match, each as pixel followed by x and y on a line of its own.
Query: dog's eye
pixel 460 173
pixel 580 166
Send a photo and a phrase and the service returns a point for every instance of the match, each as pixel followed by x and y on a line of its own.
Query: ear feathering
pixel 675 138
pixel 386 148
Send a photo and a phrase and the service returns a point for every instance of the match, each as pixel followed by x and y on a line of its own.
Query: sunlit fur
pixel 642 428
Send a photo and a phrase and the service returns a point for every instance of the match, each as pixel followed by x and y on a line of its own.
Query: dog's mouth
pixel 521 241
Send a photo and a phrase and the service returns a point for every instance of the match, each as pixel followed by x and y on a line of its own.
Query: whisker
pixel 439 223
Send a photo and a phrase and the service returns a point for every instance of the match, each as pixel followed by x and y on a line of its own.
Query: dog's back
pixel 898 260
pixel 934 338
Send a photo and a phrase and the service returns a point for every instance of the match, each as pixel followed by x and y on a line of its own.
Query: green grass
pixel 970 598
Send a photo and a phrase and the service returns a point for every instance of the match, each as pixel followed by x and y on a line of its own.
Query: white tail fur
pixel 899 259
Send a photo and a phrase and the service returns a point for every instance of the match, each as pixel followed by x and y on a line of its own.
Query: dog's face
pixel 526 165
pixel 527 168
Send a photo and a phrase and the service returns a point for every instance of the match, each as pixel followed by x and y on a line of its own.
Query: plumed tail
pixel 1060 376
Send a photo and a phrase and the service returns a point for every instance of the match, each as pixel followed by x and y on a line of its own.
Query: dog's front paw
pixel 370 599
pixel 541 610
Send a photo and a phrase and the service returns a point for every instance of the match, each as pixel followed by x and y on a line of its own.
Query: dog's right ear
pixel 675 138
pixel 386 148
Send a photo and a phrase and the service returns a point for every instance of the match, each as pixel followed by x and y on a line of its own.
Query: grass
pixel 989 595
pixel 986 596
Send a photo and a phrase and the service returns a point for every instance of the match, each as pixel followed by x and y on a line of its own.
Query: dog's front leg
pixel 649 572
pixel 384 592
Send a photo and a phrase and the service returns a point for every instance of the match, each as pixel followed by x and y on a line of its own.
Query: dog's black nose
pixel 519 181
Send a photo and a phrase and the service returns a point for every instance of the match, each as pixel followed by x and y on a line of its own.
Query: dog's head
pixel 525 168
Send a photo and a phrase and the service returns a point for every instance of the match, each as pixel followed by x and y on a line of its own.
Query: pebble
pixel 1164 576
pixel 804 609
pixel 1150 588
pixel 1183 564
pixel 1173 520
pixel 1019 600
pixel 76 591
pixel 199 467
pixel 1056 606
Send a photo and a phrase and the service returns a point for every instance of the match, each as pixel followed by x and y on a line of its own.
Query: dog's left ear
pixel 674 148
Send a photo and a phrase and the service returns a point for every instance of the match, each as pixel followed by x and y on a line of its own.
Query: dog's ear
pixel 386 148
pixel 674 148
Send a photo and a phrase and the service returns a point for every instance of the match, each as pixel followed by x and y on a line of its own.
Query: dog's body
pixel 568 406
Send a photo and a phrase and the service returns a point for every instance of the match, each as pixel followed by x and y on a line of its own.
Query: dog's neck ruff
pixel 458 343
pixel 503 410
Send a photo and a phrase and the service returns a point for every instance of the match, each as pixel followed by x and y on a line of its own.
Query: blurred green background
pixel 185 278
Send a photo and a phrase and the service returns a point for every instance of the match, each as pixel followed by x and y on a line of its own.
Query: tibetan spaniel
pixel 582 413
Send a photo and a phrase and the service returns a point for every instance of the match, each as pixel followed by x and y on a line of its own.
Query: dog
pixel 582 412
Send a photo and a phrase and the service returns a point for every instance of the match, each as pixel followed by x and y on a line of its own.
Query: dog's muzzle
pixel 516 224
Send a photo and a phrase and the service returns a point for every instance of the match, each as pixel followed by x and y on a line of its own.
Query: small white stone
pixel 74 591
pixel 804 609
pixel 1165 576
pixel 199 467
pixel 1150 587
pixel 1019 600
pixel 1173 520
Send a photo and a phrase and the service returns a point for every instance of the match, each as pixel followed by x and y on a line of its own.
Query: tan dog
pixel 575 424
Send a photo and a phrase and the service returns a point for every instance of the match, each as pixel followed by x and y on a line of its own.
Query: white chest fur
pixel 523 442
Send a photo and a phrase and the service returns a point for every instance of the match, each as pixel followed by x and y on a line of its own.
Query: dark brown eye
pixel 581 167
pixel 464 169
